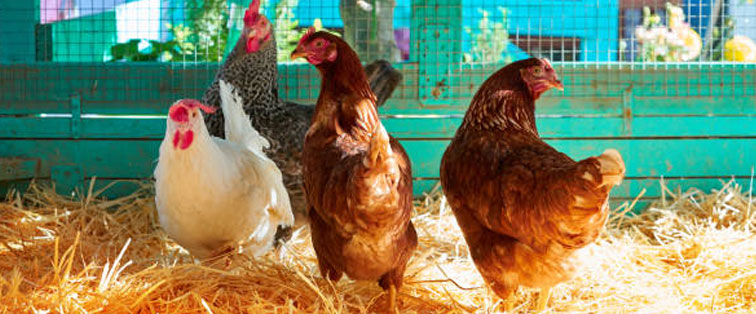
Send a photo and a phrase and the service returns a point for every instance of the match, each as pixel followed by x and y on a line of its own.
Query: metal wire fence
pixel 465 40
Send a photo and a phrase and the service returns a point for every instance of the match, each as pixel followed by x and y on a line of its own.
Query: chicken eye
pixel 319 43
pixel 537 71
pixel 194 114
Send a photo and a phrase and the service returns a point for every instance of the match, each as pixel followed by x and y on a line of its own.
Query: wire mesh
pixel 614 37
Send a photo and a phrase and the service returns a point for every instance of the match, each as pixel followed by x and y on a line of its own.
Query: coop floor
pixel 696 255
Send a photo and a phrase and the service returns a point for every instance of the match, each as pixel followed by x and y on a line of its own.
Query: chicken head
pixel 315 49
pixel 257 28
pixel 540 78
pixel 185 117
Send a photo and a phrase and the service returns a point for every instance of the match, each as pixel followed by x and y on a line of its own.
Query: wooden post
pixel 19 19
pixel 436 44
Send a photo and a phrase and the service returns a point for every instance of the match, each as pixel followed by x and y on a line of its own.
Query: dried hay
pixel 693 252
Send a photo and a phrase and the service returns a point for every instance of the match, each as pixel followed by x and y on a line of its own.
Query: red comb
pixel 252 13
pixel 193 103
pixel 306 36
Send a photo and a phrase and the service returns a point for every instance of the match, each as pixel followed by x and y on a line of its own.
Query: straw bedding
pixel 695 252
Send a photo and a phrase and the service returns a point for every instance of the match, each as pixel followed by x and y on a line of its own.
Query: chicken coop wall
pixel 672 85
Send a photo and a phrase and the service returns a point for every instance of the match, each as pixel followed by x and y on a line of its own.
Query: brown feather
pixel 524 207
pixel 357 179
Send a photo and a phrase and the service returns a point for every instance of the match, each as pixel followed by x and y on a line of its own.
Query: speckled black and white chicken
pixel 252 68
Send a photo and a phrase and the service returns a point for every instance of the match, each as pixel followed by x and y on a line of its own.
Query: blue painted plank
pixel 632 188
pixel 151 87
pixel 417 127
pixel 30 127
pixel 643 158
pixel 153 128
pixel 102 158
pixel 576 127
pixel 18 168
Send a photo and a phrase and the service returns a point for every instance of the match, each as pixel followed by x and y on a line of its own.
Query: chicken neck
pixel 502 105
pixel 346 101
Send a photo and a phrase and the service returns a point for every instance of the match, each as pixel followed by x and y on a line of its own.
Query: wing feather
pixel 238 128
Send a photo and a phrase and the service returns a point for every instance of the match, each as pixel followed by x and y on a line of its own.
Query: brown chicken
pixel 524 207
pixel 357 178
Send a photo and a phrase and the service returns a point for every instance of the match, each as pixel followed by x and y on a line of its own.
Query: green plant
pixel 202 38
pixel 286 28
pixel 489 41
pixel 206 28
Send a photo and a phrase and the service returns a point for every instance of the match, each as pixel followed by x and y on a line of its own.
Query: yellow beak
pixel 296 54
pixel 557 84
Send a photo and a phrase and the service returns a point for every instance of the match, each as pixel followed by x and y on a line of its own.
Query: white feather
pixel 221 193
pixel 237 126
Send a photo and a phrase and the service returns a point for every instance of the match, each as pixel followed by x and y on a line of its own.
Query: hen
pixel 251 67
pixel 524 208
pixel 357 177
pixel 214 195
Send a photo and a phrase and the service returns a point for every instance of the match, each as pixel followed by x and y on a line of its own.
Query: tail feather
pixel 612 168
pixel 384 79
pixel 238 129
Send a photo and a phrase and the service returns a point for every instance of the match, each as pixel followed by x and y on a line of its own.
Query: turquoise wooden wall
pixel 693 134
pixel 692 124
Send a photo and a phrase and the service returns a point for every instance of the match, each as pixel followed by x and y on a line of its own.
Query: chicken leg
pixel 509 304
pixel 392 299
pixel 543 300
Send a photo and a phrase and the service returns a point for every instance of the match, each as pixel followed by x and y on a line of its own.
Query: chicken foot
pixel 507 294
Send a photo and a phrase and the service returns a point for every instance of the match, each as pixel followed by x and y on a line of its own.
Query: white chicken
pixel 215 195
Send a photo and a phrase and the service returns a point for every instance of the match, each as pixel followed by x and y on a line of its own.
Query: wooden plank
pixel 149 88
pixel 102 158
pixel 632 187
pixel 695 105
pixel 102 128
pixel 30 127
pixel 136 159
pixel 418 127
pixel 670 126
pixel 643 158
pixel 132 128
pixel 114 88
pixel 443 126
pixel 423 186
pixel 18 168
pixel 413 126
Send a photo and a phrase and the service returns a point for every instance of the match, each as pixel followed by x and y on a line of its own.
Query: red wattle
pixel 253 45
pixel 186 139
pixel 183 140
